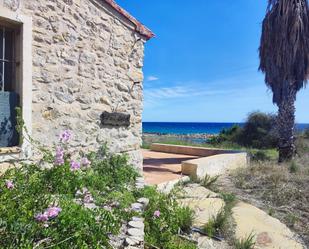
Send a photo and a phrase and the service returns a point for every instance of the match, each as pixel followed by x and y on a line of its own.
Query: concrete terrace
pixel 162 167
pixel 165 163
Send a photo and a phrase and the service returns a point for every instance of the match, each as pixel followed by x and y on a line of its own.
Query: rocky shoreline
pixel 196 138
pixel 188 135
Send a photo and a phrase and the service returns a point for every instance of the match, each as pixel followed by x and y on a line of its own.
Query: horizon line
pixel 203 122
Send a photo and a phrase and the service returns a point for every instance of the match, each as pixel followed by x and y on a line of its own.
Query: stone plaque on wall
pixel 115 119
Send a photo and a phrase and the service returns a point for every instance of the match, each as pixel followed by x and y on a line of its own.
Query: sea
pixel 193 128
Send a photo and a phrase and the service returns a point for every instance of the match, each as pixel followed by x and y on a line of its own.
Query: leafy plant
pixel 247 243
pixel 291 219
pixel 257 132
pixel 229 199
pixel 220 224
pixel 43 205
pixel 164 218
pixel 216 224
pixel 259 155
pixel 208 181
pixel 293 168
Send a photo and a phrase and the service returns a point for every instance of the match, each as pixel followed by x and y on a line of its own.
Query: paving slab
pixel 205 203
pixel 269 232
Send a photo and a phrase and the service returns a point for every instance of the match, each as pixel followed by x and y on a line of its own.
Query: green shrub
pixel 259 155
pixel 216 224
pixel 291 219
pixel 229 199
pixel 306 133
pixel 258 132
pixel 230 135
pixel 29 194
pixel 302 145
pixel 247 243
pixel 293 168
pixel 221 223
pixel 163 220
pixel 178 243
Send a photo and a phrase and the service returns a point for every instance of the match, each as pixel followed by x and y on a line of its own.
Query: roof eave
pixel 140 28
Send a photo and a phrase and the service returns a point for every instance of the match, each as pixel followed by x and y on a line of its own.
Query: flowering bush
pixel 66 204
pixel 164 219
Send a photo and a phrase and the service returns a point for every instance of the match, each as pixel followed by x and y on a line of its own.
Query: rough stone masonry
pixel 87 59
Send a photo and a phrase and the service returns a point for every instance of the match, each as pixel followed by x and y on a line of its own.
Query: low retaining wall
pixel 189 150
pixel 212 162
pixel 214 165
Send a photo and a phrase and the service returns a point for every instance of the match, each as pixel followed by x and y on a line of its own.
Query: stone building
pixel 65 62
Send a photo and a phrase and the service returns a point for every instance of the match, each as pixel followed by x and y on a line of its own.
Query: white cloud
pixel 152 78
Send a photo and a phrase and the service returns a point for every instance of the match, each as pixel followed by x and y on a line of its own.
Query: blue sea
pixel 193 128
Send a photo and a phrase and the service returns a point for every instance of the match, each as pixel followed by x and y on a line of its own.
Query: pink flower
pixel 9 184
pixel 157 213
pixel 59 160
pixel 65 136
pixel 42 217
pixel 74 165
pixel 85 162
pixel 53 212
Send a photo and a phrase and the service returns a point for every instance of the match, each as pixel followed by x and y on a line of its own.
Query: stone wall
pixel 87 59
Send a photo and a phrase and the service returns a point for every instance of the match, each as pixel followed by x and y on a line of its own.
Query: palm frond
pixel 284 49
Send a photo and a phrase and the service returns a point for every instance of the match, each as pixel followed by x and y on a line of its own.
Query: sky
pixel 202 66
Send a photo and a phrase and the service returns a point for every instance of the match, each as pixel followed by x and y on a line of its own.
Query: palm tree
pixel 284 58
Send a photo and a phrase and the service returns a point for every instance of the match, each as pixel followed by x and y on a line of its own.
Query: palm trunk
pixel 286 125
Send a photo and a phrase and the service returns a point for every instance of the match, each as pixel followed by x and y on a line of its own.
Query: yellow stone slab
pixel 269 232
pixel 204 209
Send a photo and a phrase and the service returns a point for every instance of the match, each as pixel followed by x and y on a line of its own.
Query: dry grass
pixel 281 190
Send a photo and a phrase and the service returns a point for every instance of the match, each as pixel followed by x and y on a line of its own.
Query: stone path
pixel 162 167
pixel 269 232
pixel 205 203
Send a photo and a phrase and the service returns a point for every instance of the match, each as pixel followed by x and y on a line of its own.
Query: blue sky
pixel 203 64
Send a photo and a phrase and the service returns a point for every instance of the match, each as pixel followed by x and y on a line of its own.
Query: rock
pixel 144 201
pixel 133 241
pixel 134 218
pixel 136 224
pixel 64 97
pixel 137 207
pixel 140 183
pixel 135 232
pixel 197 191
pixel 135 76
pixel 90 205
pixel 204 209
pixel 269 232
pixel 207 243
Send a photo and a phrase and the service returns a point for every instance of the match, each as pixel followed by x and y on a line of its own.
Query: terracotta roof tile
pixel 140 28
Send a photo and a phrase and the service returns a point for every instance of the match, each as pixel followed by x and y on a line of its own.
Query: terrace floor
pixel 162 167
